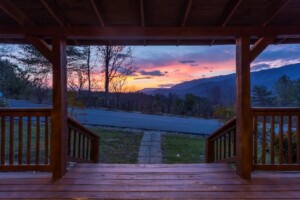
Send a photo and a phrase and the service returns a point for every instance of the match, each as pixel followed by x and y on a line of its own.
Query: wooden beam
pixel 148 33
pixel 53 12
pixel 96 10
pixel 187 13
pixel 243 110
pixel 59 112
pixel 273 12
pixel 41 46
pixel 142 13
pixel 259 46
pixel 229 12
pixel 10 9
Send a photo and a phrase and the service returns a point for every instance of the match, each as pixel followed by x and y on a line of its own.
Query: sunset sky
pixel 164 66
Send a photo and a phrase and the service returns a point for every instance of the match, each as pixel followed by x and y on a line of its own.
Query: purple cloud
pixel 152 73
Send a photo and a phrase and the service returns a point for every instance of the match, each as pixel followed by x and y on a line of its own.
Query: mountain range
pixel 206 87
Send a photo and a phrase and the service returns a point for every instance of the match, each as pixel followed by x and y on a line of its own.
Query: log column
pixel 243 110
pixel 59 113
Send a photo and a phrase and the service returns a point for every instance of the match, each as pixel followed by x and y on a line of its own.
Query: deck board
pixel 159 181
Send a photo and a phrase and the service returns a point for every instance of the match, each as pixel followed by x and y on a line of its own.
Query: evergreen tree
pixel 261 96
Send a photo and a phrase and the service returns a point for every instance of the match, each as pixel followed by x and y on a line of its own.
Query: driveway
pixel 136 120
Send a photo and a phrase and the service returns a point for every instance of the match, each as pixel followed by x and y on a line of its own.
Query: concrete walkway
pixel 150 149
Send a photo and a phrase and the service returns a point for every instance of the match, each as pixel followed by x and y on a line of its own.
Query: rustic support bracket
pixel 259 46
pixel 41 46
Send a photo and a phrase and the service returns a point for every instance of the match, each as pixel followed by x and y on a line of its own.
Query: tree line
pixel 286 92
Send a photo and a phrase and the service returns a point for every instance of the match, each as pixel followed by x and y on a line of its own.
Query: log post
pixel 59 113
pixel 243 109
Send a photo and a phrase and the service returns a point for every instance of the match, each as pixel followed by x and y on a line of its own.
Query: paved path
pixel 150 149
pixel 137 120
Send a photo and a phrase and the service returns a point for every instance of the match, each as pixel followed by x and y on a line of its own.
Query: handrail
pixel 220 146
pixel 25 139
pixel 83 144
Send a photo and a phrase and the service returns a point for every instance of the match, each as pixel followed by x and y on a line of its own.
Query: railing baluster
pixel 3 140
pixel 88 149
pixel 255 140
pixel 11 140
pixel 229 144
pixel 79 145
pixel 217 149
pixel 46 140
pixel 69 141
pixel 83 146
pixel 298 139
pixel 272 140
pixel 263 145
pixel 29 140
pixel 37 141
pixel 74 143
pixel 234 142
pixel 225 146
pixel 20 139
pixel 289 135
pixel 280 139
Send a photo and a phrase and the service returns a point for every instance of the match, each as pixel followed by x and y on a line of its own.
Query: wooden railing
pixel 220 146
pixel 83 145
pixel 25 139
pixel 276 138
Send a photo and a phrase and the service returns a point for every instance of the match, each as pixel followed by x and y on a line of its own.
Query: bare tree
pixel 116 63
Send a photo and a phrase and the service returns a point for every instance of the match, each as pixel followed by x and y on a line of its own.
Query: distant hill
pixel 206 87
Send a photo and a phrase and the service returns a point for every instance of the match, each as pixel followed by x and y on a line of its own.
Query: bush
pixel 3 102
pixel 286 147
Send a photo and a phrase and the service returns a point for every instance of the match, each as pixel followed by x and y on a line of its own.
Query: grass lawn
pixel 118 146
pixel 179 148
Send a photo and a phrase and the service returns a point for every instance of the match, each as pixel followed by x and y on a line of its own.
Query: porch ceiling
pixel 150 22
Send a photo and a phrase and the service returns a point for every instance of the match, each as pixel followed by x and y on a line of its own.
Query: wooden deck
pixel 156 181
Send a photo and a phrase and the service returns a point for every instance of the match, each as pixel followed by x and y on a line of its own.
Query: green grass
pixel 118 146
pixel 178 148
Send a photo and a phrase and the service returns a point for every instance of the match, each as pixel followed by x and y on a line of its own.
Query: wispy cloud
pixel 153 73
pixel 166 85
pixel 257 67
pixel 141 78
pixel 187 61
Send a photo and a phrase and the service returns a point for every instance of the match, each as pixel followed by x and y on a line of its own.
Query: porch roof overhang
pixel 150 22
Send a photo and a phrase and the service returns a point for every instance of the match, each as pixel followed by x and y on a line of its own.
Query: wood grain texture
pixel 146 181
pixel 243 111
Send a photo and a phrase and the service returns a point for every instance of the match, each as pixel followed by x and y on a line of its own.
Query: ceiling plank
pixel 187 13
pixel 140 33
pixel 10 9
pixel 186 16
pixel 228 12
pixel 142 13
pixel 97 12
pixel 53 11
pixel 259 46
pixel 274 11
pixel 41 46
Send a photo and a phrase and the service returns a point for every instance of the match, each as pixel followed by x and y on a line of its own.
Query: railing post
pixel 95 144
pixel 209 151
pixel 59 113
pixel 243 109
